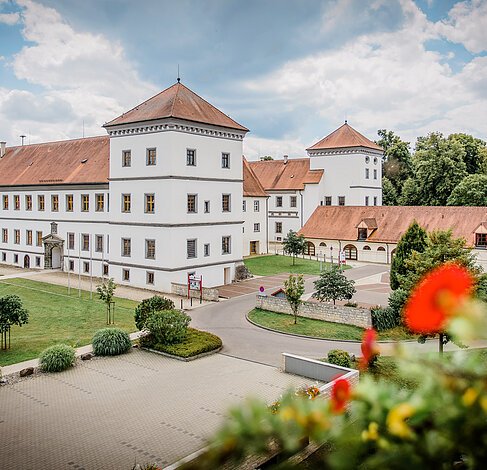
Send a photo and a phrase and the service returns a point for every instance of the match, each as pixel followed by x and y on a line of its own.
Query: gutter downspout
pixel 267 223
pixel 301 194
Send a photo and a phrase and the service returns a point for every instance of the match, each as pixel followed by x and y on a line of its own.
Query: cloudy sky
pixel 290 70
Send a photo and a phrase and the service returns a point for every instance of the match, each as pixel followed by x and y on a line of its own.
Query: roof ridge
pixel 175 97
pixel 61 141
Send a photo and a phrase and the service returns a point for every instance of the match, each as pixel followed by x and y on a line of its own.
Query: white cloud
pixel 255 147
pixel 467 25
pixel 9 18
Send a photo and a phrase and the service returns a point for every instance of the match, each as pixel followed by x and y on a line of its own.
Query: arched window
pixel 393 253
pixel 309 249
pixel 350 252
pixel 381 248
pixel 366 248
pixel 322 244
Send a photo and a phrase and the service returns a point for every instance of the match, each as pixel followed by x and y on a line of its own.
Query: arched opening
pixel 350 252
pixel 26 261
pixel 309 249
pixel 323 244
pixel 381 248
pixel 56 257
pixel 366 248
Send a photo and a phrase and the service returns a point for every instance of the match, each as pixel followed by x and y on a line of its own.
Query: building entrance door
pixel 26 261
pixel 254 247
pixel 226 276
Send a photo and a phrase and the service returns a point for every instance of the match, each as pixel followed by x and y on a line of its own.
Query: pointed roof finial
pixel 346 121
pixel 179 78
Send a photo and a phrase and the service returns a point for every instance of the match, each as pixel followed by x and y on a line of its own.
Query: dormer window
pixel 481 240
pixel 362 234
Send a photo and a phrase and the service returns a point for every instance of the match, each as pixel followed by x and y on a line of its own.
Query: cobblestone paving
pixel 140 407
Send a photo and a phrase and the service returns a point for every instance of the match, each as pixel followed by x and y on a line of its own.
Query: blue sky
pixel 290 71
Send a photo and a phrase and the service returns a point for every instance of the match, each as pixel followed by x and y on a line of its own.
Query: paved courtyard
pixel 140 407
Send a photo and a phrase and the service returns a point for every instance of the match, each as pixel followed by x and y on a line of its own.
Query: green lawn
pixel 55 317
pixel 318 328
pixel 269 265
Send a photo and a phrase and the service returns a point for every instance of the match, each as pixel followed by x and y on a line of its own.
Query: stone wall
pixel 318 311
pixel 209 293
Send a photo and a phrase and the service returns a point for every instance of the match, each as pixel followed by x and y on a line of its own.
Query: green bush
pixel 397 300
pixel 150 306
pixel 168 326
pixel 339 358
pixel 111 342
pixel 57 358
pixel 384 319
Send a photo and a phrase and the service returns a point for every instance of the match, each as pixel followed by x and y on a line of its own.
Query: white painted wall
pixel 252 217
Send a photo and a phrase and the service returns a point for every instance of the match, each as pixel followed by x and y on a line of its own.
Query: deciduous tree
pixel 294 289
pixel 12 312
pixel 471 191
pixel 293 244
pixel 333 285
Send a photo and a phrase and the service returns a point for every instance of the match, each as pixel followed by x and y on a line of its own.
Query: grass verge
pixel 196 342
pixel 56 317
pixel 270 265
pixel 318 328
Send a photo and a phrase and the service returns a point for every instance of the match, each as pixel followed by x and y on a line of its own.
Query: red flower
pixel 340 395
pixel 369 348
pixel 436 297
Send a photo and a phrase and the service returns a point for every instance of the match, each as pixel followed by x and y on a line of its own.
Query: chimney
pixel 285 159
pixel 3 149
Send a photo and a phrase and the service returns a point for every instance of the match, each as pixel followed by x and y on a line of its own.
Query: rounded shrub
pixel 57 358
pixel 149 306
pixel 111 342
pixel 339 358
pixel 168 326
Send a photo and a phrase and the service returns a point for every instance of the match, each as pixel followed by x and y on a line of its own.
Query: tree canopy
pixel 294 289
pixel 293 244
pixel 333 285
pixel 12 312
pixel 471 191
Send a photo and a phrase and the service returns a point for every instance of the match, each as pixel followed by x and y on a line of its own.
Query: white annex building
pixel 157 199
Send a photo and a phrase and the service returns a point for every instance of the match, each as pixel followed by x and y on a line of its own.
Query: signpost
pixel 342 259
pixel 195 283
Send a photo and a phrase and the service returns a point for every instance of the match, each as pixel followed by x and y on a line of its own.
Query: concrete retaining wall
pixel 318 311
pixel 209 293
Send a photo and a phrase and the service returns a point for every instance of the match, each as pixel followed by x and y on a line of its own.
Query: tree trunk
pixel 293 260
pixel 440 343
pixel 295 317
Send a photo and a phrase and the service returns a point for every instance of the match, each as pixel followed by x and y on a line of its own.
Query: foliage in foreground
pixel 196 342
pixel 111 342
pixel 437 423
pixel 57 358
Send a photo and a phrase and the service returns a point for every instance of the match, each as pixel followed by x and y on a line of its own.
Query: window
pixel 28 236
pixel 150 157
pixel 206 250
pixel 54 203
pixel 99 243
pixel 17 237
pixel 100 202
pixel 16 202
pixel 86 267
pixel 150 249
pixel 126 202
pixel 375 161
pixel 341 200
pixel 71 265
pixel 207 207
pixel 85 202
pixel 244 206
pixel 309 249
pixel 191 248
pixel 71 241
pixel 367 172
pixel 28 202
pixel 38 261
pixel 375 174
pixel 39 238
pixel 5 203
pixel 126 246
pixel 256 227
pixel 362 234
pixel 381 248
pixel 225 160
pixel 4 256
pixel 192 200
pixel 85 240
pixel 375 200
pixel 256 206
pixel 105 269
pixel 4 235
pixel 190 157
pixel 481 240
pixel 278 201
pixel 16 258
pixel 150 203
pixel 327 200
pixel 150 278
pixel 226 202
pixel 350 252
pixel 366 200
pixel 69 203
pixel 126 274
pixel 367 159
pixel 278 227
pixel 366 248
pixel 225 245
pixel 126 157
pixel 41 202
pixel 293 202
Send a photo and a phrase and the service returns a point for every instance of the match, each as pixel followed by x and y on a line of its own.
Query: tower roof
pixel 345 136
pixel 180 102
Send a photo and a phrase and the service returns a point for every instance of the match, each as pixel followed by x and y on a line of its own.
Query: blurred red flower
pixel 436 297
pixel 340 395
pixel 369 348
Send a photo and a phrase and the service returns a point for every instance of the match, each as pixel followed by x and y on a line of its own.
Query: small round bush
pixel 57 358
pixel 168 326
pixel 339 358
pixel 111 342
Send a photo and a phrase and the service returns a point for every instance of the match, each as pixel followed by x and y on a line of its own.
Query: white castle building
pixel 157 199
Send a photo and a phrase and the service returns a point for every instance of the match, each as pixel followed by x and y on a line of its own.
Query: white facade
pixel 255 228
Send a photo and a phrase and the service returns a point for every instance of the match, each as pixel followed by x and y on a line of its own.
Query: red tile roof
pixel 57 162
pixel 251 184
pixel 277 175
pixel 179 102
pixel 344 137
pixel 340 222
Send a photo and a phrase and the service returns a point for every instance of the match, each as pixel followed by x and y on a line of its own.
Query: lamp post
pixel 331 255
pixel 321 260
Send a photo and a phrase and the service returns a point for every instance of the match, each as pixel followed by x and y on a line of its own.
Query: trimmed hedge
pixel 111 342
pixel 57 358
pixel 384 319
pixel 168 326
pixel 339 358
